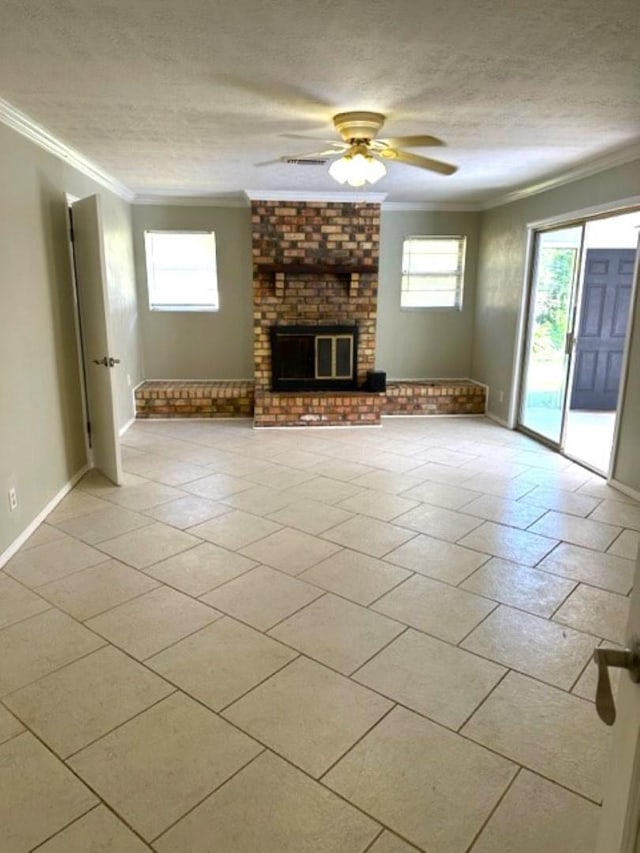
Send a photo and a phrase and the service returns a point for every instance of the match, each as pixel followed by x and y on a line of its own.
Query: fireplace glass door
pixel 313 358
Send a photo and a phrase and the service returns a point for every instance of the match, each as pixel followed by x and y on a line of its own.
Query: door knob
pixel 628 659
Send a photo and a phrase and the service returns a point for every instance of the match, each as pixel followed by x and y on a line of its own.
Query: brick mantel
pixel 303 253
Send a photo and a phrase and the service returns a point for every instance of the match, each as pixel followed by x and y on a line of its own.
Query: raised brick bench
pixel 235 399
pixel 435 397
pixel 213 399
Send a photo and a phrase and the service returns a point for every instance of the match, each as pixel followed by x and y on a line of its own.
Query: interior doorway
pixel 580 297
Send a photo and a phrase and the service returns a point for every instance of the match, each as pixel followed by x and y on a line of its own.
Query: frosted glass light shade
pixel 357 170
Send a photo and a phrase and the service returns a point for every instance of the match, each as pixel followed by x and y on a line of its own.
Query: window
pixel 181 270
pixel 432 272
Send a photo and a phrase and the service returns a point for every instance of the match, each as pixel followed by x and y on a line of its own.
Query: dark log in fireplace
pixel 314 358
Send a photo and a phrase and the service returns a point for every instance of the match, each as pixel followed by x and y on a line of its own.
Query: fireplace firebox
pixel 314 358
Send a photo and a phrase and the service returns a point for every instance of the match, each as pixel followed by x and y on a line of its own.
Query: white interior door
pixel 100 361
pixel 621 808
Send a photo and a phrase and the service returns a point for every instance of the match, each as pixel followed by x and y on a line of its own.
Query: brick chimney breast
pixel 315 263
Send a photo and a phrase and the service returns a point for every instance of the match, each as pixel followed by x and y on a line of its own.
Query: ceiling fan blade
pixel 289 158
pixel 420 162
pixel 412 141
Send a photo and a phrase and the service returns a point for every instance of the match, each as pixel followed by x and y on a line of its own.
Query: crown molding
pixel 440 207
pixel 192 201
pixel 585 170
pixel 36 133
pixel 299 195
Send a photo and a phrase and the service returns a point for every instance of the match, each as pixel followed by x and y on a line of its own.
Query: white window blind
pixel 432 272
pixel 181 270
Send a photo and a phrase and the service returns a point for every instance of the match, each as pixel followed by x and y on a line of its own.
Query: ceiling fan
pixel 361 155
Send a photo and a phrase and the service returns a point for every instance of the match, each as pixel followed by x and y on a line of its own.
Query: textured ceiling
pixel 186 98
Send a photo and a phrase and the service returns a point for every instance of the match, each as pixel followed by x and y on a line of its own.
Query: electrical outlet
pixel 501 396
pixel 13 500
pixel 128 381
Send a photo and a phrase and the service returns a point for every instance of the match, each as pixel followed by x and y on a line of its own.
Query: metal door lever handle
pixel 628 659
pixel 107 361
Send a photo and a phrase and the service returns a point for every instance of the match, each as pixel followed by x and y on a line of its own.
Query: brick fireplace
pixel 315 264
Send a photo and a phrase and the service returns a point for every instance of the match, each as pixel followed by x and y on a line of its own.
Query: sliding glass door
pixel 549 342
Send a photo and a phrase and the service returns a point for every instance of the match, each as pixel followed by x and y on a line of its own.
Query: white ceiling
pixel 185 98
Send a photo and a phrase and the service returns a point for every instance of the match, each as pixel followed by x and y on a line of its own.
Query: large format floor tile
pixel 149 544
pixel 355 576
pixel 537 816
pixel 40 645
pixel 152 621
pixel 39 795
pixel 299 583
pixel 528 589
pixel 368 535
pixel 308 714
pixel 626 545
pixel 596 611
pixel 186 511
pixel 200 569
pixel 99 588
pixel 234 529
pixel 274 808
pixel 437 559
pixel 437 788
pixel 378 504
pixel 511 513
pixel 592 567
pixel 434 607
pixel 561 500
pixel 438 522
pixel 17 602
pixel 518 546
pixel 262 597
pixel 43 563
pixel 163 762
pixel 98 831
pixel 104 524
pixel 291 551
pixel 547 730
pixel 390 843
pixel 337 632
pixel 310 516
pixel 431 677
pixel 221 662
pixel 9 725
pixel 86 699
pixel 529 644
pixel 578 531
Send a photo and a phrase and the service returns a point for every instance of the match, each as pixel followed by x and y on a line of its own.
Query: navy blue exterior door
pixel 606 298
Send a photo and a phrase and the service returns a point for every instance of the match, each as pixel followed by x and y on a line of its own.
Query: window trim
pixel 189 307
pixel 459 275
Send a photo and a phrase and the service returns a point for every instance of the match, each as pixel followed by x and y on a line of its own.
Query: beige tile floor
pixel 322 641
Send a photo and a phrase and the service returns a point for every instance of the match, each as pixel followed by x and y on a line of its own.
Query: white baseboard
pixel 626 490
pixel 498 420
pixel 124 428
pixel 37 521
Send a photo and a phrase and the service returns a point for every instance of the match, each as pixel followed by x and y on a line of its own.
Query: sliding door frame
pixel 567 220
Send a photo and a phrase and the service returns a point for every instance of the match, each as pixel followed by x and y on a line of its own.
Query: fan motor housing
pixel 358 125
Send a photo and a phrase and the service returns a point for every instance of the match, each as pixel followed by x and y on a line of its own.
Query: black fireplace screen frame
pixel 280 382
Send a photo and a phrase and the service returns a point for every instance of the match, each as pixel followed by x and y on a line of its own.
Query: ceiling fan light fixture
pixel 357 169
